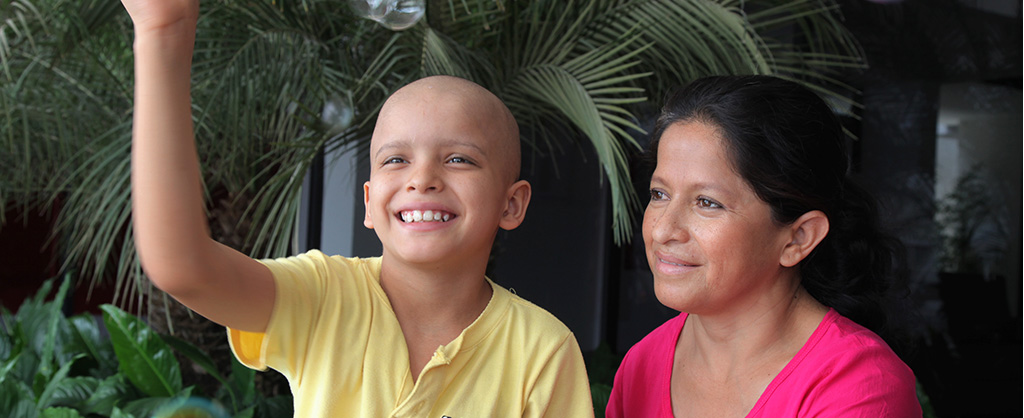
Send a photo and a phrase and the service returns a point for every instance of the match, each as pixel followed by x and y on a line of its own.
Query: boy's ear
pixel 806 233
pixel 367 221
pixel 515 209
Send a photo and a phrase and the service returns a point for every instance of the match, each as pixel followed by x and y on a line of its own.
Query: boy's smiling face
pixel 444 158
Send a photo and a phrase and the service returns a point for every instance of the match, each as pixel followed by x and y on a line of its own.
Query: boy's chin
pixel 421 256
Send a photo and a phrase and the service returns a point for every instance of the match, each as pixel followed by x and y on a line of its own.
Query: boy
pixel 418 332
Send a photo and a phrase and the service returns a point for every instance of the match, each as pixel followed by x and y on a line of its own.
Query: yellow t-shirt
pixel 335 337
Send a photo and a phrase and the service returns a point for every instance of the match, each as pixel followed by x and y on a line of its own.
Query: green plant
pixel 602 364
pixel 973 221
pixel 54 366
pixel 578 73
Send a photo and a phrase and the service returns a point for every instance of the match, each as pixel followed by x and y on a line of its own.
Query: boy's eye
pixel 459 160
pixel 394 160
pixel 657 195
pixel 704 202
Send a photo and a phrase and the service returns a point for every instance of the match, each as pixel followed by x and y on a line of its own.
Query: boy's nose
pixel 424 178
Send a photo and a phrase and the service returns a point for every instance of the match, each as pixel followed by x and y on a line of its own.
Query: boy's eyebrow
pixel 391 145
pixel 404 144
pixel 467 144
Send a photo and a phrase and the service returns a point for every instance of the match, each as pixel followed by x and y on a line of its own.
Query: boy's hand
pixel 160 14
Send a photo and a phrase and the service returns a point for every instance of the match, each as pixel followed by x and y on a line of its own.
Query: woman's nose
pixel 665 225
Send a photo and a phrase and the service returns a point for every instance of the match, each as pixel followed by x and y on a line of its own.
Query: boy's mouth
pixel 410 216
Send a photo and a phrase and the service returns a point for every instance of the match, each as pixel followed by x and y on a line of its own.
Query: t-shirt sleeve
pixel 642 381
pixel 299 286
pixel 562 390
pixel 614 409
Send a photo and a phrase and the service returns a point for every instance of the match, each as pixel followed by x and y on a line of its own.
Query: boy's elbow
pixel 179 278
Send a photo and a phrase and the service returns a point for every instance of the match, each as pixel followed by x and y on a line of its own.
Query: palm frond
pixel 588 85
pixel 19 22
pixel 94 222
pixel 264 71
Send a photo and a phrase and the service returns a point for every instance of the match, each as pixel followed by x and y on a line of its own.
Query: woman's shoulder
pixel 844 362
pixel 842 339
pixel 843 353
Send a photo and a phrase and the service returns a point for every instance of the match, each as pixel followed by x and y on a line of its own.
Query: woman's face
pixel 711 242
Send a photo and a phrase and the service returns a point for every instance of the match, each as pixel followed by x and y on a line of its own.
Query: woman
pixel 756 234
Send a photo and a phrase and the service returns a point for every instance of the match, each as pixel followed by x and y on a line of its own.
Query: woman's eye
pixel 657 195
pixel 707 203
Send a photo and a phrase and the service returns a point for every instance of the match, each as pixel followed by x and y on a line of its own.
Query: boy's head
pixel 445 161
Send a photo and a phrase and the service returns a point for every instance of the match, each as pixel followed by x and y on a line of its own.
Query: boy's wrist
pixel 177 34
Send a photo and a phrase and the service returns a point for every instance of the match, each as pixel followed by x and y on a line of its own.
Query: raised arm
pixel 171 232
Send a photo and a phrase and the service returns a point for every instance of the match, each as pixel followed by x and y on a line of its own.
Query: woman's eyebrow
pixel 699 185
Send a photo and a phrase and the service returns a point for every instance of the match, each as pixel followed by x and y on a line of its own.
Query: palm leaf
pixel 586 70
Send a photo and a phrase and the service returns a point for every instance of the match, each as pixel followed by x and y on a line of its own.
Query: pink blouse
pixel 843 370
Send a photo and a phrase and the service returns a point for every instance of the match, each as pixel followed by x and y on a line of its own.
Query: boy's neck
pixel 433 307
pixel 435 298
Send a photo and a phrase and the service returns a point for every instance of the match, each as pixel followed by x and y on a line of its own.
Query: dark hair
pixel 791 149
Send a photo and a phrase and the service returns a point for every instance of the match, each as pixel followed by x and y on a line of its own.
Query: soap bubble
pixel 337 113
pixel 392 14
pixel 402 14
pixel 370 9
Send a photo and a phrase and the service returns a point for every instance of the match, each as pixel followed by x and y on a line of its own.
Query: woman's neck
pixel 729 344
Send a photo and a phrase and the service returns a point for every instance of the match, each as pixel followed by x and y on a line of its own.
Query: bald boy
pixel 417 332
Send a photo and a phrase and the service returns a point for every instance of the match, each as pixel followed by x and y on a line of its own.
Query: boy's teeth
pixel 425 216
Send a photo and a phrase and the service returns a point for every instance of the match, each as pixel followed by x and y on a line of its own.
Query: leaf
pixel 118 413
pixel 277 406
pixel 149 407
pixel 13 392
pixel 242 383
pixel 262 68
pixel 145 359
pixel 88 339
pixel 191 407
pixel 60 412
pixel 25 368
pixel 54 382
pixel 6 343
pixel 56 317
pixel 203 360
pixel 600 393
pixel 7 365
pixel 249 412
pixel 23 408
pixel 73 391
pixel 110 392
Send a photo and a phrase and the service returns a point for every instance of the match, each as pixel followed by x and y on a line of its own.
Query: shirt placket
pixel 427 388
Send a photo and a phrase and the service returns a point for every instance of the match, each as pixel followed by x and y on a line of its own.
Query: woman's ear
pixel 806 233
pixel 367 221
pixel 515 209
